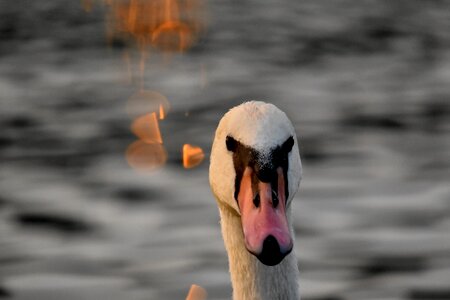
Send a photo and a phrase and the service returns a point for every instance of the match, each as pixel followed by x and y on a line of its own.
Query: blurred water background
pixel 366 84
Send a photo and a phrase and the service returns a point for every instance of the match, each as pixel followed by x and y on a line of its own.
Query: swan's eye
pixel 288 144
pixel 231 143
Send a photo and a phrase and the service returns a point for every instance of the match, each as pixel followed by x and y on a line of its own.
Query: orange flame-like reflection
pixel 162 112
pixel 192 156
pixel 168 25
pixel 148 153
pixel 146 128
pixel 196 293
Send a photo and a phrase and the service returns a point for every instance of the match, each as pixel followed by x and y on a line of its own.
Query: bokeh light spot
pixel 196 293
pixel 147 101
pixel 146 128
pixel 192 156
pixel 146 157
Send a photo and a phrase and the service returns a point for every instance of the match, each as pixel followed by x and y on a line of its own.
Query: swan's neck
pixel 251 279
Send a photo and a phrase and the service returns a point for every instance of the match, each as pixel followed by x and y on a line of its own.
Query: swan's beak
pixel 263 216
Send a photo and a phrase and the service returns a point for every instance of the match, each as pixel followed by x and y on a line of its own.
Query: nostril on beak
pixel 275 200
pixel 256 200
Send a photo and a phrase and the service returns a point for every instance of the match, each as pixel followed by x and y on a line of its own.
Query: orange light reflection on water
pixel 147 101
pixel 192 156
pixel 146 157
pixel 87 5
pixel 196 293
pixel 167 25
pixel 146 128
pixel 162 113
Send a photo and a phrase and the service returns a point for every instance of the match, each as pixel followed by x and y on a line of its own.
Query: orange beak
pixel 263 216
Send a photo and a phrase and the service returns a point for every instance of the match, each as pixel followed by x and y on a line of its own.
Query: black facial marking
pixel 264 166
pixel 275 199
pixel 256 200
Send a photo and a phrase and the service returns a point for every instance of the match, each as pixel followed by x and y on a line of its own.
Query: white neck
pixel 251 279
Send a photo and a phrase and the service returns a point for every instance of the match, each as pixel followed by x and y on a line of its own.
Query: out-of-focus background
pixel 97 201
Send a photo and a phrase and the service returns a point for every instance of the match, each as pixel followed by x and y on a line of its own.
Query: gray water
pixel 366 84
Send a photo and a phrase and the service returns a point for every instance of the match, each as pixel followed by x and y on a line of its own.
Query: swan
pixel 255 170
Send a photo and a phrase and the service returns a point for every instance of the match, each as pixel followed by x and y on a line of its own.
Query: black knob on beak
pixel 271 253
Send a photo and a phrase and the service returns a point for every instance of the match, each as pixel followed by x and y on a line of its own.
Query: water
pixel 366 85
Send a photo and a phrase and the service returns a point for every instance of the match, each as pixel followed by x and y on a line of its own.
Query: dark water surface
pixel 366 84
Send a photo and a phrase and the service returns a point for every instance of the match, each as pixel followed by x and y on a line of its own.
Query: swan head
pixel 255 170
